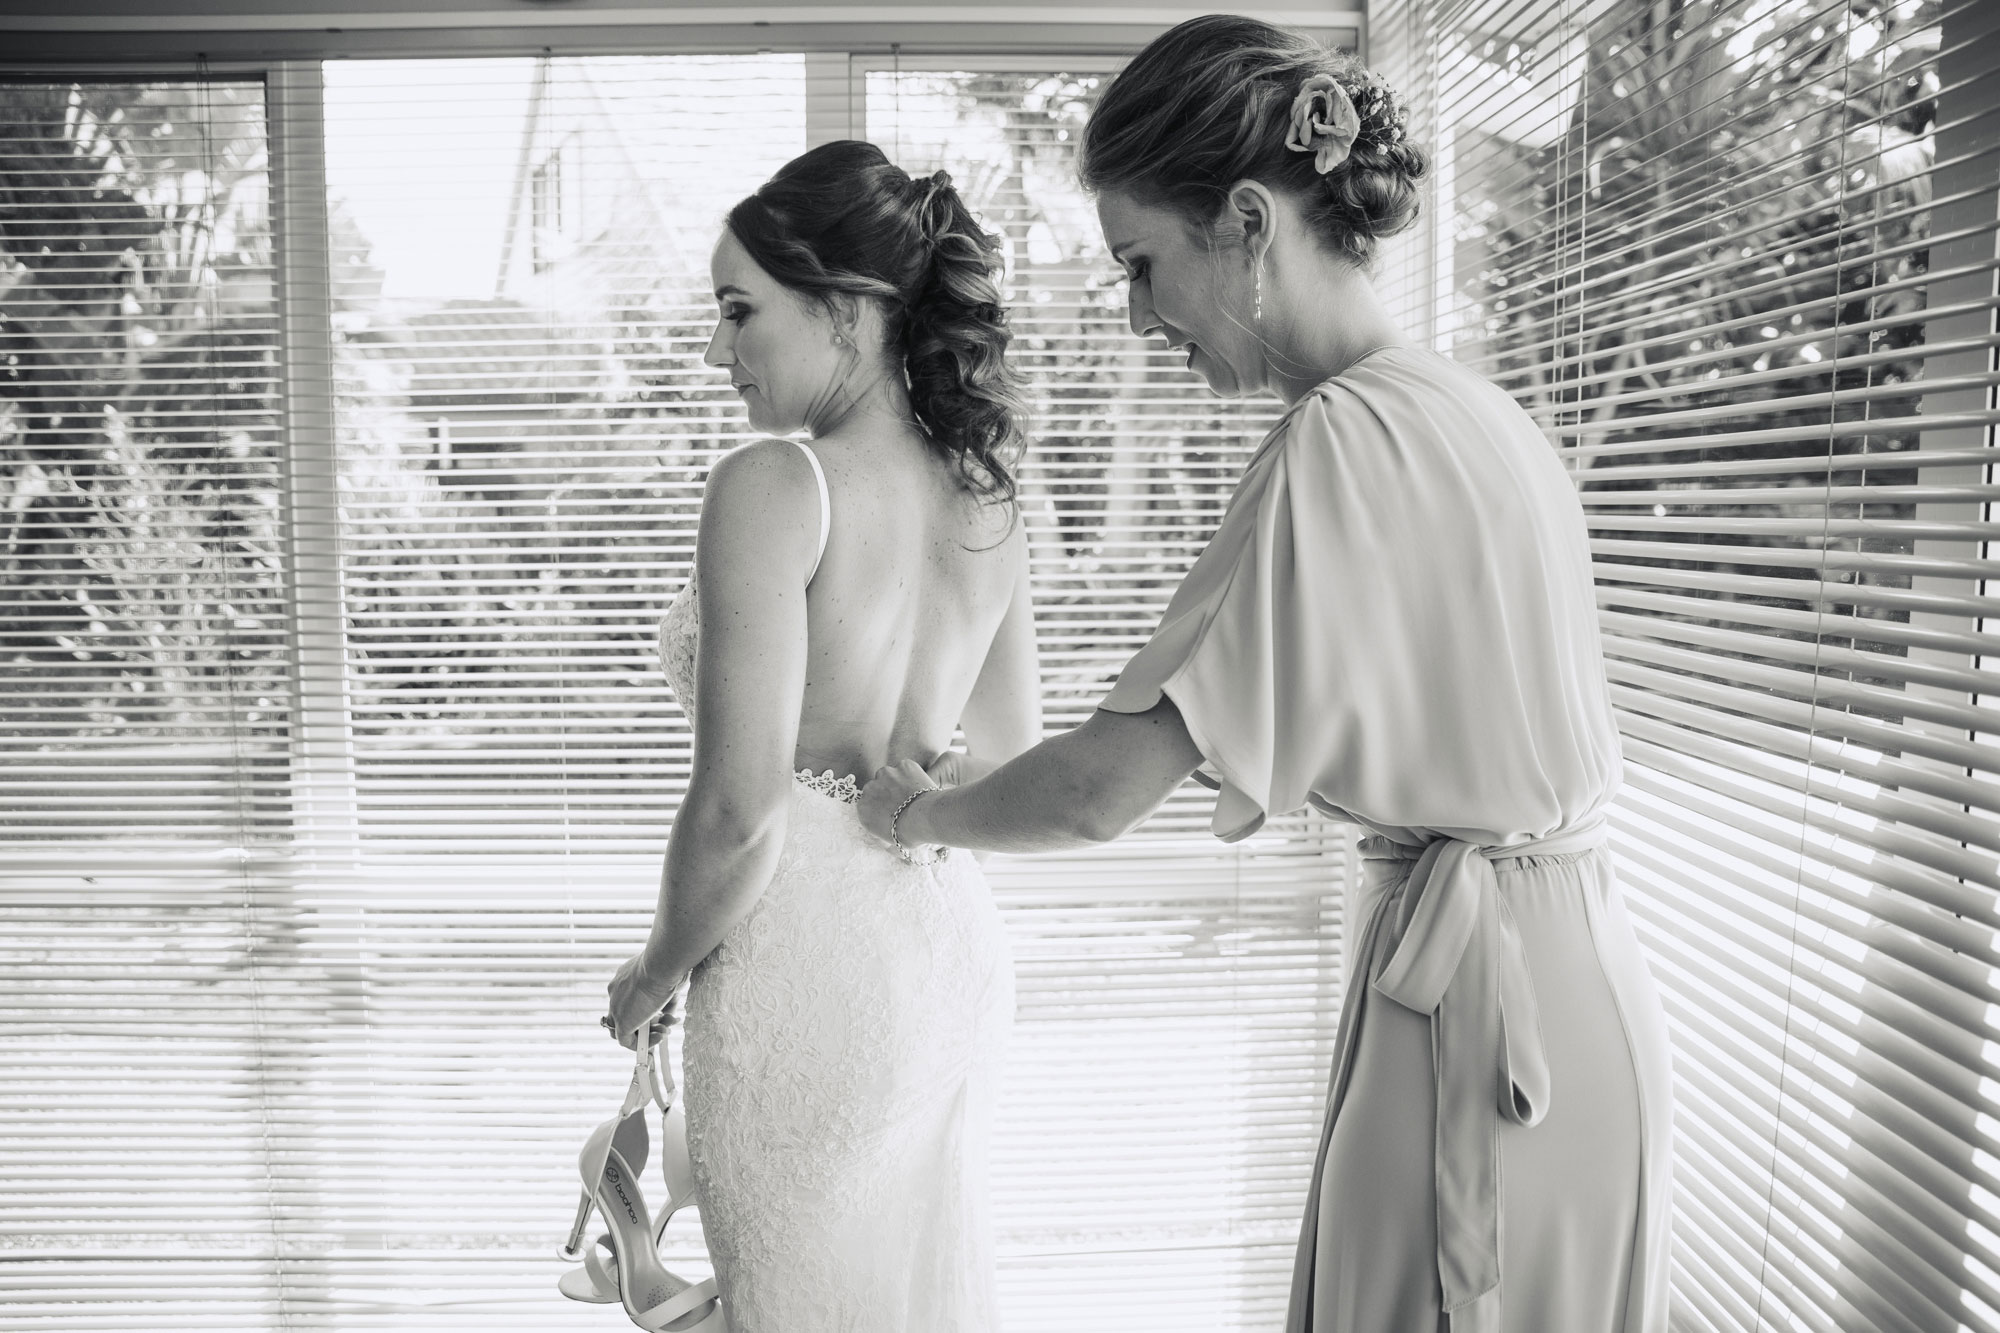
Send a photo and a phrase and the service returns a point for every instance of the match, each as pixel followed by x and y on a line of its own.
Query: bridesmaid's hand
pixel 885 794
pixel 955 768
pixel 639 1004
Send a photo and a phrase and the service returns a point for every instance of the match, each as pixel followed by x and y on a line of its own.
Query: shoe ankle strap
pixel 651 1082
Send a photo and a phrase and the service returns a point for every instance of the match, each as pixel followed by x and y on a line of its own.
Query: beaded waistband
pixel 842 788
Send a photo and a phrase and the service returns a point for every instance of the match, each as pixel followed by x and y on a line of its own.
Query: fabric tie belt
pixel 1444 943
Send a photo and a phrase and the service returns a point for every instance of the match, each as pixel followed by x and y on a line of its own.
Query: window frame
pixel 325 809
pixel 61 37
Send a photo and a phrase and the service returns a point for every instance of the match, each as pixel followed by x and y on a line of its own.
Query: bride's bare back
pixel 917 619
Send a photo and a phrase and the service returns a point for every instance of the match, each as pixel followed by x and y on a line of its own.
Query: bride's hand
pixel 885 794
pixel 637 1004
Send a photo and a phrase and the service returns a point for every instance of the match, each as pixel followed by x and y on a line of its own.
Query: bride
pixel 854 601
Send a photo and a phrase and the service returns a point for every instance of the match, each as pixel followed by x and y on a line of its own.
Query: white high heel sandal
pixel 624 1265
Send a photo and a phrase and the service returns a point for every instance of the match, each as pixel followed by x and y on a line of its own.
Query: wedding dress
pixel 841 1062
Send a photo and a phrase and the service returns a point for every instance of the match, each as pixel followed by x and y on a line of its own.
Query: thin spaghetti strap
pixel 825 506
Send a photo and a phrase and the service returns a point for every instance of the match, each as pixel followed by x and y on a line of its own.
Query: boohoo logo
pixel 618 1186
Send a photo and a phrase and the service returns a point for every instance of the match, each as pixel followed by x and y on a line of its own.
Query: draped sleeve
pixel 1395 620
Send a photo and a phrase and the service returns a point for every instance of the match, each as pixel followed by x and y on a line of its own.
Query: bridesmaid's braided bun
pixel 1211 102
pixel 843 219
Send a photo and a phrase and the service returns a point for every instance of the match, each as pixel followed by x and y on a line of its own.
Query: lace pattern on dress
pixel 680 632
pixel 842 788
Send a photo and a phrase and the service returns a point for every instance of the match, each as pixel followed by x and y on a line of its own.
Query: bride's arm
pixel 1088 785
pixel 759 518
pixel 1003 715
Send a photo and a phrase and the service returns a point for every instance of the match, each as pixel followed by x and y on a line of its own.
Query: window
pixel 1739 260
pixel 146 630
pixel 555 195
pixel 546 187
pixel 150 686
pixel 341 762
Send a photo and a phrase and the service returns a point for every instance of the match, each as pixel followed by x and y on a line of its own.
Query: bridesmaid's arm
pixel 1089 785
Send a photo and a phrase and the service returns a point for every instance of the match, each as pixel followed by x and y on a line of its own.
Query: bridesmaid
pixel 1395 623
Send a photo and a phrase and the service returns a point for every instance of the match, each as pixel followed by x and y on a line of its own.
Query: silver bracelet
pixel 929 858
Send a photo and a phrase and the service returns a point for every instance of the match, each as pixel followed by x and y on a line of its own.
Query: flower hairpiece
pixel 1325 123
pixel 1329 119
pixel 1383 119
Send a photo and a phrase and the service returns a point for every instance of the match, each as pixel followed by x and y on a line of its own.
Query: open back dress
pixel 841 1063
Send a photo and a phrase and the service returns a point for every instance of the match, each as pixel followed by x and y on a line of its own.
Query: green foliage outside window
pixel 1778 154
pixel 139 525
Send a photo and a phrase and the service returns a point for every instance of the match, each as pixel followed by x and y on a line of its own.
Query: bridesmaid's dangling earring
pixel 1257 285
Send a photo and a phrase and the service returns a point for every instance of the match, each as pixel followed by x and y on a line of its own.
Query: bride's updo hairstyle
pixel 1211 102
pixel 844 220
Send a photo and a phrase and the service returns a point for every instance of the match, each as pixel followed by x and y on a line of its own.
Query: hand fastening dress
pixel 1396 623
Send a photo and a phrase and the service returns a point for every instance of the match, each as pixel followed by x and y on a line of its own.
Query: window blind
pixel 144 633
pixel 146 697
pixel 1739 260
pixel 354 972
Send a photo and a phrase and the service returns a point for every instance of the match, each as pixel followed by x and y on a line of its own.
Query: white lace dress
pixel 842 1059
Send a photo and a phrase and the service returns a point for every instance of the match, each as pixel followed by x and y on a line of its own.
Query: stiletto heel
pixel 572 1249
pixel 624 1263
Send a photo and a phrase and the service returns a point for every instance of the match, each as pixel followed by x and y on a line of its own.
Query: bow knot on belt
pixel 1444 943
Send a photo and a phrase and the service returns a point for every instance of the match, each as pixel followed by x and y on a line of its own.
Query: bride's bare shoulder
pixel 769 464
pixel 760 495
